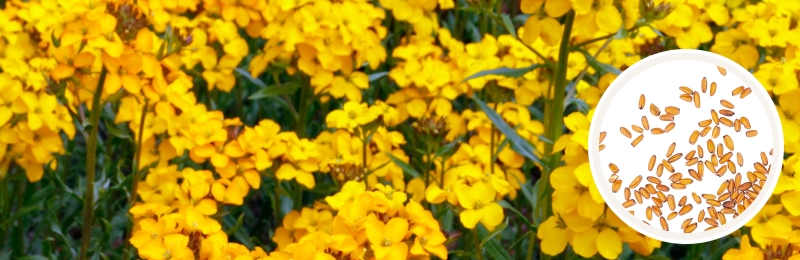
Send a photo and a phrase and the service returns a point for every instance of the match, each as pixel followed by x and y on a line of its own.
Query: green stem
pixel 531 241
pixel 553 122
pixel 135 171
pixel 477 240
pixel 492 143
pixel 304 103
pixel 91 161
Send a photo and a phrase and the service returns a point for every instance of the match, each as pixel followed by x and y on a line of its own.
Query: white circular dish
pixel 659 77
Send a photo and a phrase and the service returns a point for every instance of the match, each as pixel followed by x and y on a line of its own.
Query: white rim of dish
pixel 732 68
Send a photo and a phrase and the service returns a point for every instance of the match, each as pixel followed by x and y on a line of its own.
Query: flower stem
pixel 135 171
pixel 304 103
pixel 477 240
pixel 553 122
pixel 91 163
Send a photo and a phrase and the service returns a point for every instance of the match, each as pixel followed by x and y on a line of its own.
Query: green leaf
pixel 509 25
pixel 324 188
pixel 493 246
pixel 446 149
pixel 504 71
pixel 33 257
pixel 246 74
pixel 497 230
pixel 19 214
pixel 56 41
pixel 518 144
pixel 114 130
pixel 236 227
pixel 597 65
pixel 510 207
pixel 405 166
pixel 377 75
pixel 276 90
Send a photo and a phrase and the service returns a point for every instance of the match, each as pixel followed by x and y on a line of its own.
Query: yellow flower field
pixel 350 129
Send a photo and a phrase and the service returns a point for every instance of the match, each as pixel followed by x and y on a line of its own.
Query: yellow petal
pixel 62 71
pixel 530 6
pixel 556 8
pixel 533 27
pixel 585 244
pixel 609 244
pixel 470 217
pixel 608 19
pixel 492 215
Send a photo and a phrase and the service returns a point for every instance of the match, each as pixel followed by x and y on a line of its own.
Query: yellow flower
pixel 41 110
pixel 352 115
pixel 289 172
pixel 745 251
pixel 173 246
pixel 479 206
pixel 598 14
pixel 387 239
pixel 220 74
pixel 554 236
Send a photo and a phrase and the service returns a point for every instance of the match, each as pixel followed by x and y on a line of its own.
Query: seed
pixel 638 196
pixel 686 223
pixel 672 215
pixel 704 85
pixel 625 132
pixel 760 168
pixel 700 170
pixel 711 222
pixel 712 213
pixel 725 158
pixel 678 186
pixel 616 186
pixel 760 176
pixel 637 140
pixel 671 149
pixel 770 151
pixel 627 193
pixel 694 175
pixel 737 181
pixel 671 202
pixel 659 170
pixel 700 151
pixel 719 150
pixel 714 117
pixel 724 197
pixel 721 171
pixel 657 211
pixel 756 187
pixel 664 224
pixel 726 112
pixel 685 209
pixel 696 198
pixel 737 125
pixel 653 180
pixel 666 117
pixel 686 181
pixel 731 167
pixel 710 166
pixel 713 203
pixel 727 210
pixel 654 110
pixel 682 202
pixel 693 137
pixel 672 110
pixel 705 130
pixel 649 213
pixel 675 177
pixel 630 211
pixel 722 71
pixel 652 163
pixel 697 99
pixel 737 91
pixel 613 178
pixel 686 90
pixel 645 124
pixel 751 133
pixel 613 167
pixel 687 97
pixel 641 102
pixel 650 188
pixel 731 185
pixel 709 196
pixel 602 146
pixel 715 133
pixel 751 177
pixel 701 215
pixel 667 166
pixel 635 182
pixel 764 160
pixel 704 123
pixel 725 121
pixel 669 127
pixel 710 145
pixel 739 159
pixel 713 88
pixel 745 186
pixel 728 204
pixel 690 228
pixel 637 128
pixel 656 131
pixel 745 122
pixel 628 203
pixel 691 162
pixel 722 187
pixel 726 104
pixel 645 194
pixel 689 155
pixel 602 136
pixel 746 92
pixel 661 196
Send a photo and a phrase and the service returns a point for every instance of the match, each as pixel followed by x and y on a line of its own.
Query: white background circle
pixel 659 77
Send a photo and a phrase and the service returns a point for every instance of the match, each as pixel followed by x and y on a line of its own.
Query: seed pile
pixel 712 152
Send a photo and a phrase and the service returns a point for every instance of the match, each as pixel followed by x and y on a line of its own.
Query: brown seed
pixel 726 157
pixel 764 160
pixel 652 163
pixel 638 196
pixel 689 155
pixel 616 186
pixel 721 171
pixel 711 222
pixel 737 91
pixel 645 194
pixel 694 136
pixel 628 203
pixel 760 168
pixel 613 167
pixel 760 176
pixel 671 149
pixel 705 130
pixel 704 85
pixel 650 188
pixel 722 188
pixel 720 150
pixel 669 127
pixel 737 125
pixel 722 71
pixel 649 213
pixel 645 124
pixel 659 170
pixel 725 121
pixel 713 89
pixel 756 187
pixel 715 133
pixel 656 131
pixel 724 197
pixel 667 166
pixel 751 133
pixel 635 182
pixel 641 102
pixel 704 123
pixel 712 213
pixel 701 215
pixel 682 202
pixel 613 178
pixel 671 202
pixel 658 204
pixel 686 97
pixel 675 177
pixel 696 198
pixel 654 110
pixel 713 203
pixel 751 177
pixel 696 99
pixel 678 186
pixel 666 117
pixel 714 117
pixel 602 146
pixel 686 223
pixel 726 112
pixel 657 211
pixel 700 169
pixel 661 196
pixel 664 224
pixel 746 92
pixel 727 211
pixel 637 140
pixel 672 110
pixel 690 228
pixel 672 215
pixel 653 180
pixel 625 132
pixel 627 193
pixel 602 136
pixel 728 204
pixel 731 167
pixel 710 166
pixel 685 90
pixel 694 175
pixel 745 186
pixel 691 162
pixel 699 151
pixel 739 159
pixel 686 181
pixel 637 129
pixel 685 209
pixel 745 122
pixel 709 196
pixel 726 104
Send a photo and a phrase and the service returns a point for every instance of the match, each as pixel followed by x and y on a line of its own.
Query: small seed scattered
pixel 628 203
pixel 704 123
pixel 764 160
pixel 637 129
pixel 669 127
pixel 654 110
pixel 671 202
pixel 687 97
pixel 625 132
pixel 672 215
pixel 704 85
pixel 705 130
pixel 652 163
pixel 613 178
pixel 690 228
pixel 737 91
pixel 689 155
pixel 711 222
pixel 696 99
pixel 616 186
pixel 664 224
pixel 614 168
pixel 694 136
pixel 715 133
pixel 641 102
pixel 760 168
pixel 696 198
pixel 685 90
pixel 685 209
pixel 728 142
pixel 713 89
pixel 656 131
pixel 653 180
pixel 602 136
pixel 722 71
pixel 645 124
pixel 745 122
pixel 722 188
pixel 725 121
pixel 649 213
pixel 637 140
pixel 666 117
pixel 672 110
pixel 737 125
pixel 671 149
pixel 751 133
pixel 746 92
pixel 686 223
pixel 602 146
pixel 726 112
pixel 726 104
pixel 635 182
pixel 714 116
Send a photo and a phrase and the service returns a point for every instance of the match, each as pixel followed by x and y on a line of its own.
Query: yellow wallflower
pixel 387 239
